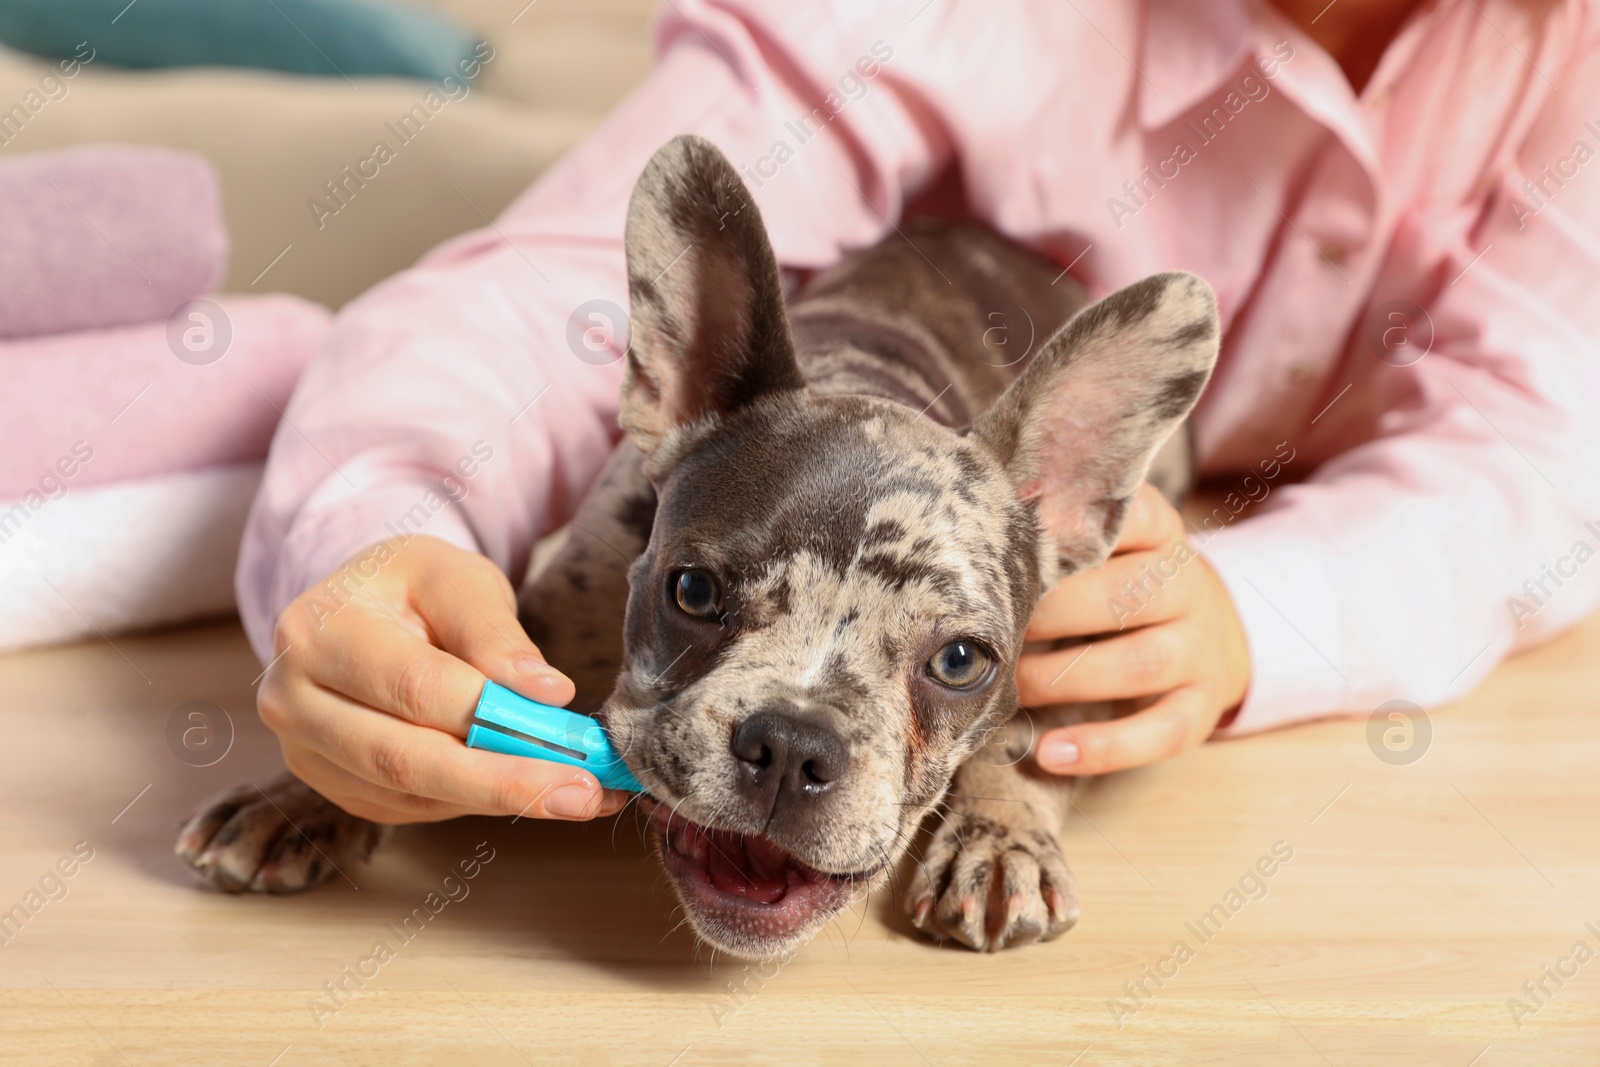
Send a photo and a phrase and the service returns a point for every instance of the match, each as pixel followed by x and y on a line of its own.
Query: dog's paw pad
pixel 991 886
pixel 282 839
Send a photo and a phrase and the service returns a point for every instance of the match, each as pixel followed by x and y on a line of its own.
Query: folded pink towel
pixel 105 236
pixel 90 407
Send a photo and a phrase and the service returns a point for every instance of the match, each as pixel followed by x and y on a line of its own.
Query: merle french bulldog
pixel 839 512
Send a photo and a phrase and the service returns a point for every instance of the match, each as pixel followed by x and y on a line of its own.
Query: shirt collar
pixel 1192 49
pixel 1189 49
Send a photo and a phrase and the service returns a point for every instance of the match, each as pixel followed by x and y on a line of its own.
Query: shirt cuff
pixel 1288 603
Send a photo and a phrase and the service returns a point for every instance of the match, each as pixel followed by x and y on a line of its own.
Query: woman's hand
pixel 378 670
pixel 1160 625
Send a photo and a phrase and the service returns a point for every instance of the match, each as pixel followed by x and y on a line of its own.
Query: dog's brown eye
pixel 959 665
pixel 698 594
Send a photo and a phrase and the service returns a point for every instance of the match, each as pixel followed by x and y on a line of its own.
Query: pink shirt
pixel 1408 284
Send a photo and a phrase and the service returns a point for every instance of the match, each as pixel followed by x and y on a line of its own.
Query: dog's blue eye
pixel 959 664
pixel 698 594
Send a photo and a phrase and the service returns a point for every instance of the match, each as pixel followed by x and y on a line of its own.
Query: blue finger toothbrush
pixel 512 724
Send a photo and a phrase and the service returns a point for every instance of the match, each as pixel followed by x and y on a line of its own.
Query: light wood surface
pixel 1419 899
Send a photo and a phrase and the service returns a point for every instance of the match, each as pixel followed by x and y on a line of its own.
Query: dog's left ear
pixel 1078 429
pixel 709 334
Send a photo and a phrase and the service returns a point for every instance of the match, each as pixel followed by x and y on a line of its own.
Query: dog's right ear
pixel 709 334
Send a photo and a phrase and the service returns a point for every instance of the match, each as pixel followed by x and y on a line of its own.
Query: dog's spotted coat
pixel 869 475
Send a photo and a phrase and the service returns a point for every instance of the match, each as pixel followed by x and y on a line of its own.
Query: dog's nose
pixel 779 752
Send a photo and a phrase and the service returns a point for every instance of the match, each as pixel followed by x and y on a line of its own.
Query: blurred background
pixel 188 190
pixel 274 138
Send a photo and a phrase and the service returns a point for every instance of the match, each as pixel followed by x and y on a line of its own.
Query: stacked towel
pixel 136 412
pixel 124 556
pixel 105 236
pixel 123 405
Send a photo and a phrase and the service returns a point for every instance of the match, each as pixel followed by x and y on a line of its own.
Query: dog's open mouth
pixel 743 891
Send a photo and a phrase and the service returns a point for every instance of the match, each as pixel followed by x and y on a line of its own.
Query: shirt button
pixel 1379 97
pixel 1299 372
pixel 1333 253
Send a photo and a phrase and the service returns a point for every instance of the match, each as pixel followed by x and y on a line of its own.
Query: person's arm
pixel 449 403
pixel 1408 567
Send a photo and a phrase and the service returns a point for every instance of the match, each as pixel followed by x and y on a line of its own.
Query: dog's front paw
pixel 283 838
pixel 992 886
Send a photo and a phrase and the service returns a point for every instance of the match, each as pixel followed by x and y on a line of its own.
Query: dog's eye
pixel 698 594
pixel 959 665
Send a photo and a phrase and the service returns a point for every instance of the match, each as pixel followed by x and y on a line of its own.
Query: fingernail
pixel 1057 752
pixel 534 666
pixel 571 802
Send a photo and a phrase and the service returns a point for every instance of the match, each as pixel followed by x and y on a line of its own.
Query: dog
pixel 839 512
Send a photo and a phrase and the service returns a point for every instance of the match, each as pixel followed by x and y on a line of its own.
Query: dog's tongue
pixel 750 867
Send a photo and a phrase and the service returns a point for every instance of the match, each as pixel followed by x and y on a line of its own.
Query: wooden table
pixel 1418 900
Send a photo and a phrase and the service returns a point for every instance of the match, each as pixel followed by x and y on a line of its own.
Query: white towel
pixel 122 556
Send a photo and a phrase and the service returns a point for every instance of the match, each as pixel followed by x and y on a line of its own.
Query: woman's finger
pixel 1152 522
pixel 1133 589
pixel 382 749
pixel 1142 662
pixel 1165 728
pixel 379 647
pixel 358 797
pixel 472 613
pixel 377 660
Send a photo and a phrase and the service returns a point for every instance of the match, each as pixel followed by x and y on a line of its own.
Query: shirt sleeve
pixel 1406 568
pixel 474 396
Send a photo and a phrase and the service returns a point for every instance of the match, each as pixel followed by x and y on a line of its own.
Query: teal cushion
pixel 326 37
